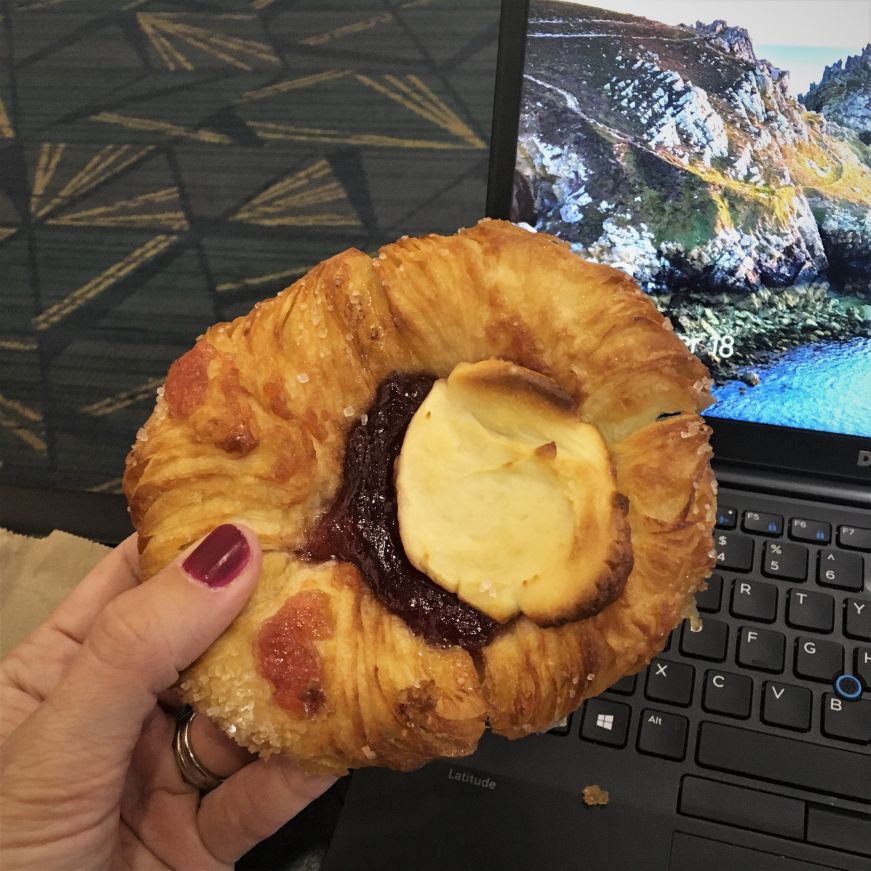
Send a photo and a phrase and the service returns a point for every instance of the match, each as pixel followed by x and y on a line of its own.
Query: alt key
pixel 662 734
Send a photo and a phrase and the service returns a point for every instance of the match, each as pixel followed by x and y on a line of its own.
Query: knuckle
pixel 124 638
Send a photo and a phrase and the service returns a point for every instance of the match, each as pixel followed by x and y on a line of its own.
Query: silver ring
pixel 191 769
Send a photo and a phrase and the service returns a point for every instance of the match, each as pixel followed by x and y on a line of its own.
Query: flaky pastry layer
pixel 251 426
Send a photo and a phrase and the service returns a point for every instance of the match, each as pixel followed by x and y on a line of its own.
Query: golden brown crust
pixel 251 426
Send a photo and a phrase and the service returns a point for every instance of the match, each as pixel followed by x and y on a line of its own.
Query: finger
pixel 135 649
pixel 254 803
pixel 117 572
pixel 38 662
pixel 169 700
pixel 220 754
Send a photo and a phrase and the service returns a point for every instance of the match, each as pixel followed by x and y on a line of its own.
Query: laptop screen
pixel 724 163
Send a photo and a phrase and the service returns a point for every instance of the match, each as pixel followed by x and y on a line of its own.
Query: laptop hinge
pixel 794 484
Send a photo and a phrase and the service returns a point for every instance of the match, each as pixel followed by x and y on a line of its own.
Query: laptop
pixel 683 156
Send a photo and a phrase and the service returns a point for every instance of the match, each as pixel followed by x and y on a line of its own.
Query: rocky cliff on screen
pixel 681 157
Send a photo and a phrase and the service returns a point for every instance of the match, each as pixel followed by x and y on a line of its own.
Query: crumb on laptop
pixel 595 795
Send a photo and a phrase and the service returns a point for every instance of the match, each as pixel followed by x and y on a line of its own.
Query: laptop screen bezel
pixel 809 452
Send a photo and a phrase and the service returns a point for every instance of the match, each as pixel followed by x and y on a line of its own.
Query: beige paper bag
pixel 35 575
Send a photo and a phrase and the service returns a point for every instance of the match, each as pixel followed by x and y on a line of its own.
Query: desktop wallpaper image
pixel 739 200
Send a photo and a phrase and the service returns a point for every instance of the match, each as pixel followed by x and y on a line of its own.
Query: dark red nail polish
pixel 220 557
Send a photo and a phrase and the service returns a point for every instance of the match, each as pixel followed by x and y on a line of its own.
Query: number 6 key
pixel 839 569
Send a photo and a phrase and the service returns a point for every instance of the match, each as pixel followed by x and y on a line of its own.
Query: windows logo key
pixel 605 721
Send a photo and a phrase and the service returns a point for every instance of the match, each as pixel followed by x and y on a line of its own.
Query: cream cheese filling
pixel 506 498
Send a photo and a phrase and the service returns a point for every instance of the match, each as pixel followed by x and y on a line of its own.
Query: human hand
pixel 87 774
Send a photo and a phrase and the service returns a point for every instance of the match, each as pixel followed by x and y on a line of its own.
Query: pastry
pixel 479 475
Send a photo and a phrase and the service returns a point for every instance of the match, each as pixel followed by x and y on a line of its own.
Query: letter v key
pixel 792 709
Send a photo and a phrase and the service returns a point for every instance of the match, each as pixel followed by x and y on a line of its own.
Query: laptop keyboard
pixel 777 674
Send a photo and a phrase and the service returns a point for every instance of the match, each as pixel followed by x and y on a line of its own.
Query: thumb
pixel 137 647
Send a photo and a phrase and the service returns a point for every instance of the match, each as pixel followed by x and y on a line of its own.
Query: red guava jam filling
pixel 287 656
pixel 362 526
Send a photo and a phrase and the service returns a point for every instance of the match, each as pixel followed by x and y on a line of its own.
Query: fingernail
pixel 219 558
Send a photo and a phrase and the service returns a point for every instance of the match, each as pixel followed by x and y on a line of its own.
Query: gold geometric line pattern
pixel 414 95
pixel 111 404
pixel 18 429
pixel 107 162
pixel 134 123
pixel 348 29
pixel 357 26
pixel 17 345
pixel 6 131
pixel 269 208
pixel 38 4
pixel 261 4
pixel 257 280
pixel 162 27
pixel 293 84
pixel 57 312
pixel 113 485
pixel 6 232
pixel 49 157
pixel 270 130
pixel 170 55
pixel 20 409
pixel 130 213
pixel 321 219
pixel 18 419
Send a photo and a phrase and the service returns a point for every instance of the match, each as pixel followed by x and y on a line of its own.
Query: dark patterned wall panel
pixel 164 165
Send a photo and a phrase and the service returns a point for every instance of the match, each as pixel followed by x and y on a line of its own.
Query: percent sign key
pixel 784 560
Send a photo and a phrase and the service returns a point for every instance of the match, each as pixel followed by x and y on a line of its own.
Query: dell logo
pixel 864 458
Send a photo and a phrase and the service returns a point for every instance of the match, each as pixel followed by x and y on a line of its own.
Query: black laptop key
pixel 761 649
pixel 818 660
pixel 727 517
pixel 786 705
pixel 835 568
pixel 624 687
pixel 854 538
pixel 841 829
pixel 764 524
pixel 662 734
pixel 727 693
pixel 776 758
pixel 669 682
pixel 862 666
pixel 708 641
pixel 606 722
pixel 754 599
pixel 784 560
pixel 692 853
pixel 810 610
pixel 849 721
pixel 737 806
pixel 816 531
pixel 733 551
pixel 857 618
pixel 709 600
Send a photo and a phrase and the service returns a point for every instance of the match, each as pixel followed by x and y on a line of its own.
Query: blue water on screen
pixel 824 387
